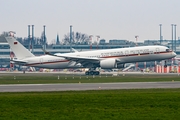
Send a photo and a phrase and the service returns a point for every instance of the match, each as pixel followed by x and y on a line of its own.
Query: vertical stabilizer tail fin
pixel 19 50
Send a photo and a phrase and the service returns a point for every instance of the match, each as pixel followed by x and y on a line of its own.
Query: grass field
pixel 151 104
pixel 83 79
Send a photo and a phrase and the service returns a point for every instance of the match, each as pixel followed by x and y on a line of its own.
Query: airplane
pixel 105 59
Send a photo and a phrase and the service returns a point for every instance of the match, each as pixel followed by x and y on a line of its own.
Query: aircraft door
pixel 127 53
pixel 157 50
pixel 41 61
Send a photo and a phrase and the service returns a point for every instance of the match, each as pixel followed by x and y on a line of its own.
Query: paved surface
pixel 83 74
pixel 86 86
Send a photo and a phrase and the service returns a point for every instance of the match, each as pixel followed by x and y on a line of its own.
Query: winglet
pixel 74 50
pixel 46 52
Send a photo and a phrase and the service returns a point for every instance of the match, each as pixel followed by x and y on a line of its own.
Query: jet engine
pixel 110 64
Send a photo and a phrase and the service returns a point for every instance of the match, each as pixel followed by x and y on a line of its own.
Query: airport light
pixel 172 25
pixel 175 37
pixel 70 38
pixel 160 25
pixel 97 40
pixel 29 27
pixel 90 37
pixel 32 40
pixel 138 53
pixel 44 36
pixel 136 39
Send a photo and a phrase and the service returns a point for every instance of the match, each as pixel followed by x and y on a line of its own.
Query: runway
pixel 83 74
pixel 86 86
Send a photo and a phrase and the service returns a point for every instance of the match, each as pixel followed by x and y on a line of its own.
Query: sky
pixel 110 19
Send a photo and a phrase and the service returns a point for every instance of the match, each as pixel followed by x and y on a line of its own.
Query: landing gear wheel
pixel 96 73
pixel 91 73
pixel 87 73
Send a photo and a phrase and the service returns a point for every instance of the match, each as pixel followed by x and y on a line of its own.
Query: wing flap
pixel 79 59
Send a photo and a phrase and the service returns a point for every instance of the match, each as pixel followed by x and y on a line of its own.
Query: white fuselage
pixel 124 55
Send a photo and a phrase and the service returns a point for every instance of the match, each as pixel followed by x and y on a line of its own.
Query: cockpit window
pixel 168 50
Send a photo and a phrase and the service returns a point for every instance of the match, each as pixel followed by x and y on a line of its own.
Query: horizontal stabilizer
pixel 19 62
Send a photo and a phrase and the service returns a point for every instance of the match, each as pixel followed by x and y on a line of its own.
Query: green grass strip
pixel 83 79
pixel 148 104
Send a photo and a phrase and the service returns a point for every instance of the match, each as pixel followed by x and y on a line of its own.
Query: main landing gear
pixel 92 72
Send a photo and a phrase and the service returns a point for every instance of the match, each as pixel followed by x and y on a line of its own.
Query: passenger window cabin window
pixel 151 52
pixel 137 52
pixel 132 52
pixel 141 51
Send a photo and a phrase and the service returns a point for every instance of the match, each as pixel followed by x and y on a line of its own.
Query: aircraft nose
pixel 174 54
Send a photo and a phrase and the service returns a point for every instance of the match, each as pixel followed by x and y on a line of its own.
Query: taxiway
pixel 86 86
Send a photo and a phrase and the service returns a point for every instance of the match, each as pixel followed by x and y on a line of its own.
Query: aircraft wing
pixel 74 50
pixel 85 61
pixel 79 58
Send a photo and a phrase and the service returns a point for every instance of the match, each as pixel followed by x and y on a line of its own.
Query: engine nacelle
pixel 110 64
